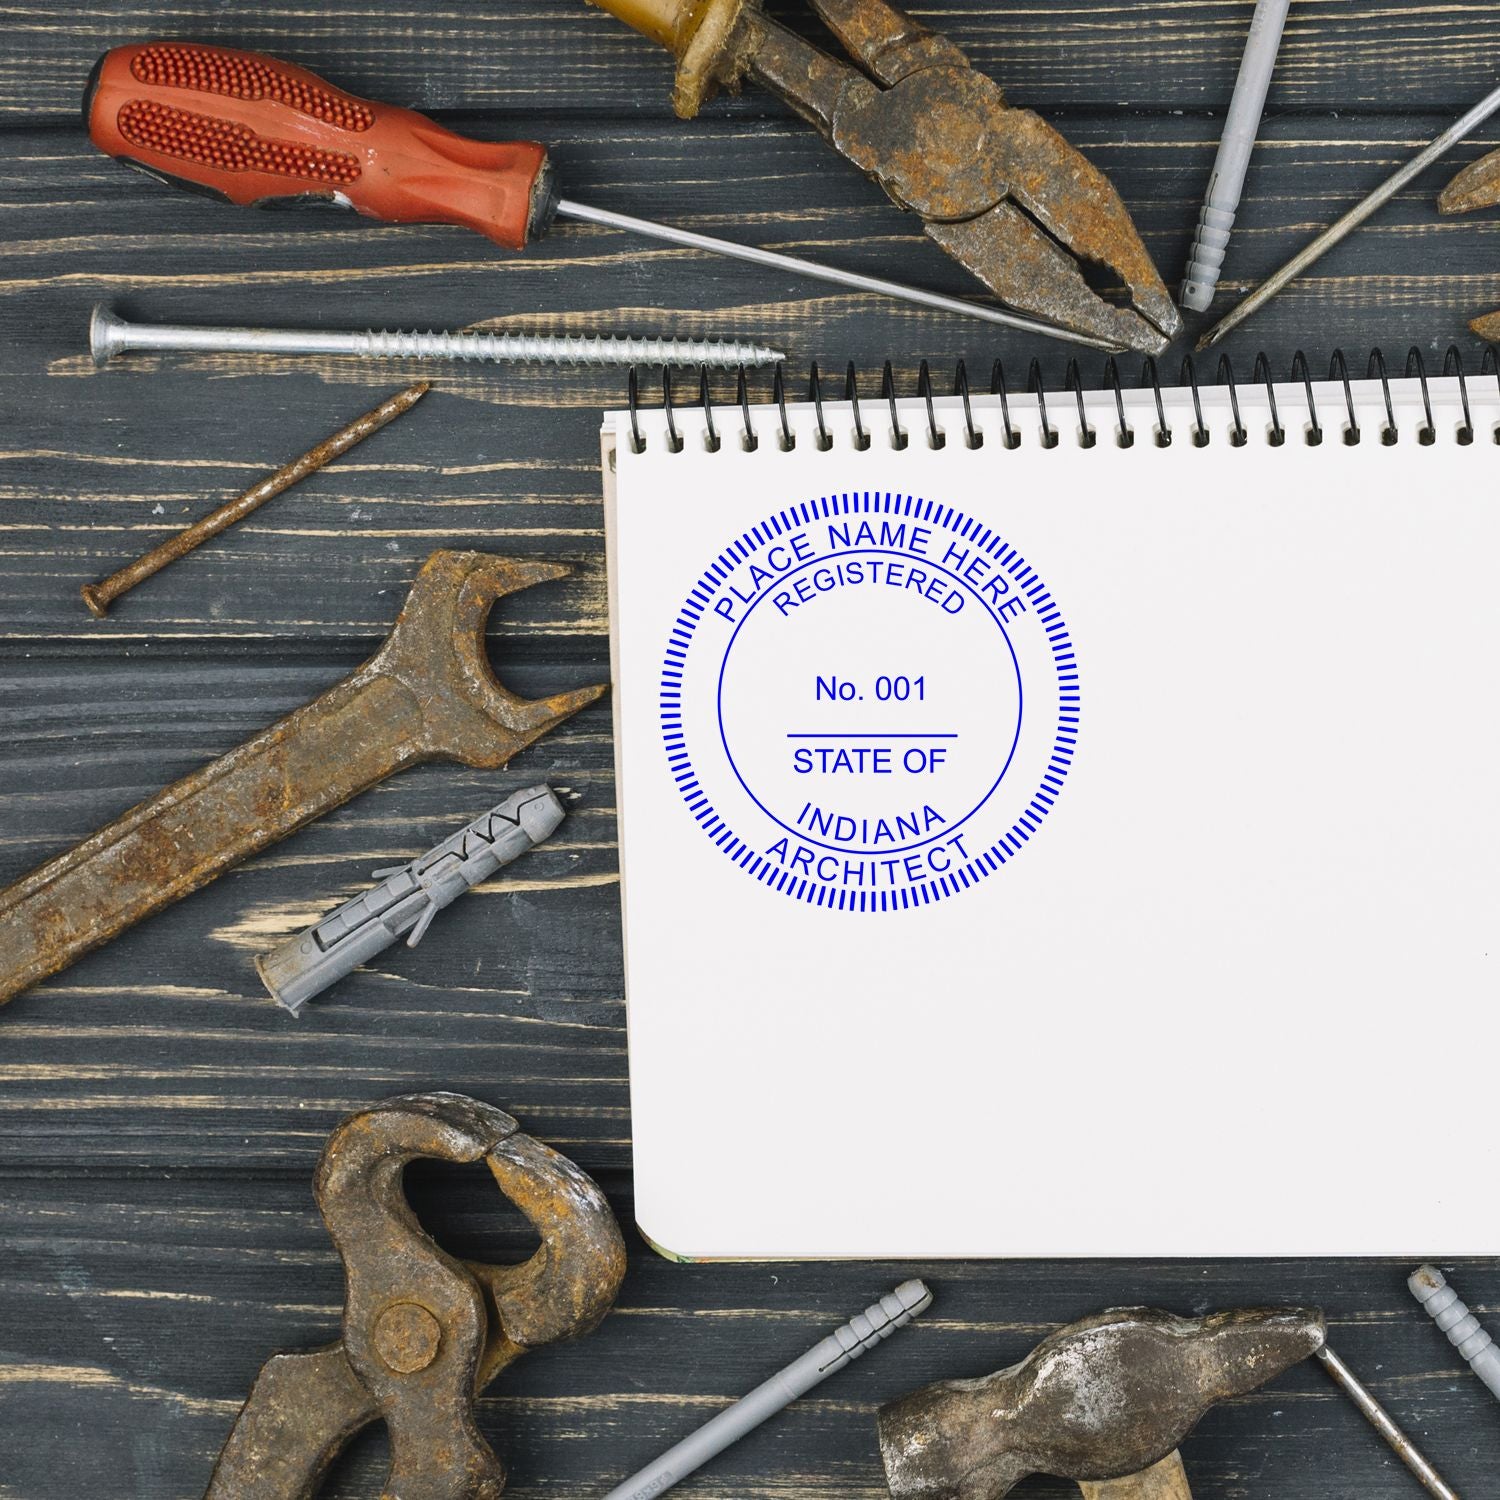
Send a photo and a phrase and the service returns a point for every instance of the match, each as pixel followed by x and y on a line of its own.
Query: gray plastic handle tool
pixel 875 1323
pixel 407 898
pixel 1227 182
pixel 1430 1287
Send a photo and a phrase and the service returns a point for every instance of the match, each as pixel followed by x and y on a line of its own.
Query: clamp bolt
pixel 407 1337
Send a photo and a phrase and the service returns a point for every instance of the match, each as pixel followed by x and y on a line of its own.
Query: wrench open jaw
pixel 1000 190
pixel 1476 187
pixel 429 693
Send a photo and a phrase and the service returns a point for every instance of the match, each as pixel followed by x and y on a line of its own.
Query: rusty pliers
pixel 1001 191
pixel 423 1333
pixel 1476 187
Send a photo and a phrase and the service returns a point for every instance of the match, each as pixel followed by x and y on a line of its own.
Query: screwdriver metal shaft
pixel 567 209
pixel 1351 221
pixel 195 114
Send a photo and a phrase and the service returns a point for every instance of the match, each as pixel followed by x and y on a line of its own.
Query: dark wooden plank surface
pixel 159 1118
pixel 149 1303
pixel 566 59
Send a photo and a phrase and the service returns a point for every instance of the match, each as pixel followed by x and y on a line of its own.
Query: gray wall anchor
pixel 1430 1287
pixel 877 1322
pixel 1227 181
pixel 407 898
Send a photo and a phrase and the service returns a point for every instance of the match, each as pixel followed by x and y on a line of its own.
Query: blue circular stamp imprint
pixel 869 702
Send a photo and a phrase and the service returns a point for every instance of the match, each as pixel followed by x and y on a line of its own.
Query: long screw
pixel 110 335
pixel 99 596
pixel 1354 218
pixel 1430 1287
pixel 1382 1421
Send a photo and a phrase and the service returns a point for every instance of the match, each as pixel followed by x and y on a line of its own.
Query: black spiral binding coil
pixel 1124 434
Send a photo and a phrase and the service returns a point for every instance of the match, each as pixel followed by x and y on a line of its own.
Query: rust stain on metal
pixel 996 187
pixel 1106 1398
pixel 429 693
pixel 99 596
pixel 1487 327
pixel 1476 187
pixel 423 1333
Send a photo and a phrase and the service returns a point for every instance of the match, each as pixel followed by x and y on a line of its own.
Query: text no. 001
pixel 887 689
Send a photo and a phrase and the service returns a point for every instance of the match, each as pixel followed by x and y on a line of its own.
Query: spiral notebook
pixel 1063 824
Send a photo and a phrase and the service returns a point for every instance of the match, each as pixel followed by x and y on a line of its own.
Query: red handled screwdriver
pixel 253 130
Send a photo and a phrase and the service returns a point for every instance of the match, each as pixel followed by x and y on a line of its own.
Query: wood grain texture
pixel 159 1116
pixel 560 57
pixel 150 1302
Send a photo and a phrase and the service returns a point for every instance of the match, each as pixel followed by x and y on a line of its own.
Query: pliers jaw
pixel 1001 191
pixel 1476 187
pixel 1059 210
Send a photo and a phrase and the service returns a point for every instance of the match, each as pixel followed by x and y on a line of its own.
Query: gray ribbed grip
pixel 1430 1287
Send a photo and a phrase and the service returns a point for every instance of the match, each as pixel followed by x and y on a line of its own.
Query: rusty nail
pixel 99 596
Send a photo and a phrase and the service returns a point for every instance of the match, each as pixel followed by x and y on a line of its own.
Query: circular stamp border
pixel 799 887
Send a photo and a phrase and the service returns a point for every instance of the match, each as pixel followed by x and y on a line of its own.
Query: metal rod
pixel 99 596
pixel 110 335
pixel 1385 1425
pixel 568 209
pixel 1354 218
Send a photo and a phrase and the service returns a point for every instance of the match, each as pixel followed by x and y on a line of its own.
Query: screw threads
pixel 536 349
pixel 1443 1305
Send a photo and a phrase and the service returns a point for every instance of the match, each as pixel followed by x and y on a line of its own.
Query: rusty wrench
pixel 423 1333
pixel 428 693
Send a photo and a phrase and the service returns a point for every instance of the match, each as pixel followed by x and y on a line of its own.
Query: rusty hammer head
pixel 1104 1399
